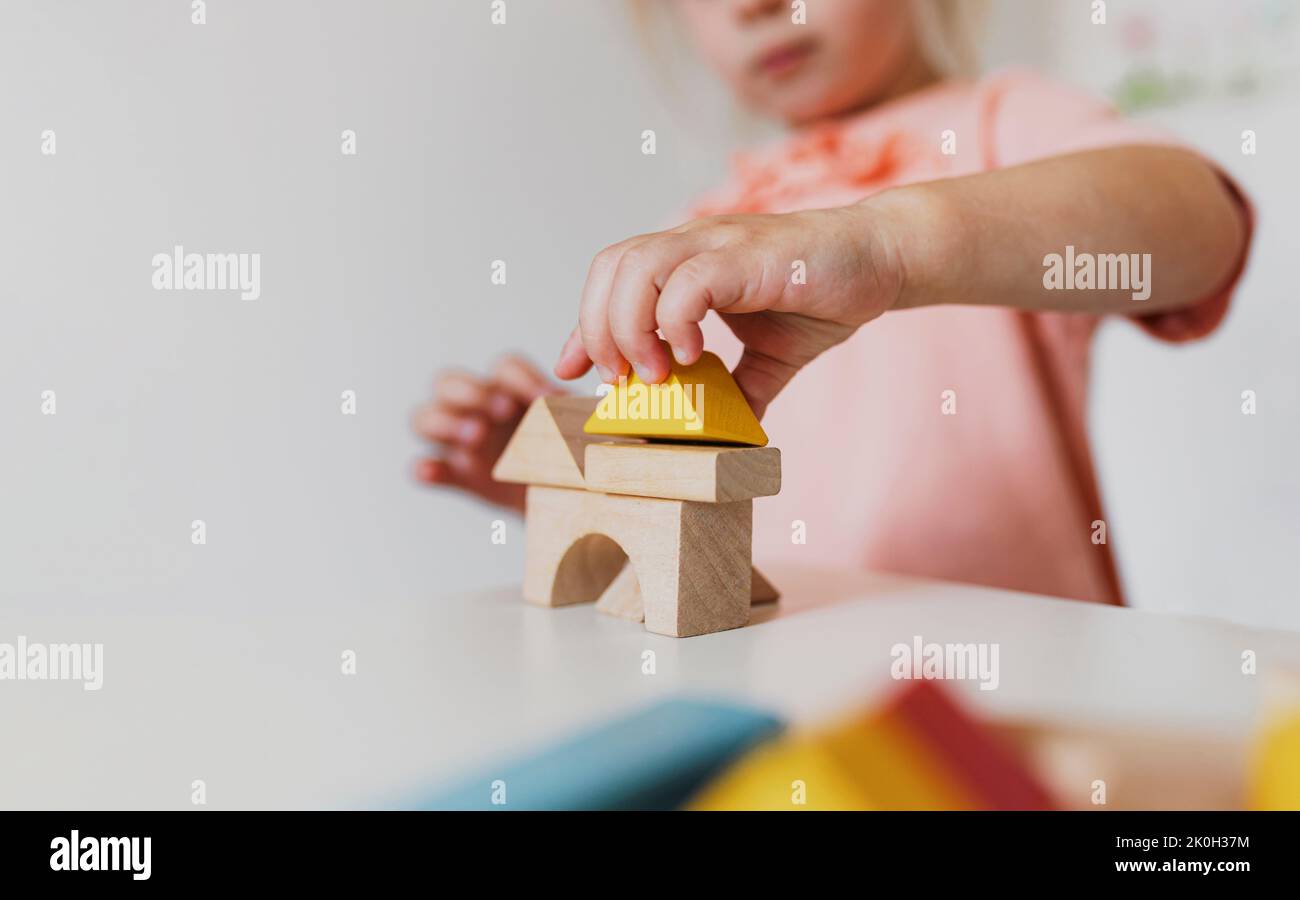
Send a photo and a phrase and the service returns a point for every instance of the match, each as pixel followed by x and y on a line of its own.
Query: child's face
pixel 848 54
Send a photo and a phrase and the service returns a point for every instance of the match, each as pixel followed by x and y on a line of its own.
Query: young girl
pixel 910 282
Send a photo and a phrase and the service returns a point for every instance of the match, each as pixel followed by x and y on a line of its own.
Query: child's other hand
pixel 469 421
pixel 744 267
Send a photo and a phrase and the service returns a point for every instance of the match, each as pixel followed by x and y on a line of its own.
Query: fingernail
pixel 605 374
pixel 680 355
pixel 468 431
pixel 643 373
pixel 500 407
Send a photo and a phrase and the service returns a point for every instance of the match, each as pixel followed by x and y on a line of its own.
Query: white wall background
pixel 475 143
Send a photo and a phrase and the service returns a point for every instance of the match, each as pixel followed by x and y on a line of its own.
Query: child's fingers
pixel 432 471
pixel 451 470
pixel 503 407
pixel 467 394
pixel 709 280
pixel 634 296
pixel 573 361
pixel 468 474
pixel 518 379
pixel 593 317
pixel 462 391
pixel 682 307
pixel 443 425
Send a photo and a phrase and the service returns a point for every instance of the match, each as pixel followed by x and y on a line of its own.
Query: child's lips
pixel 783 60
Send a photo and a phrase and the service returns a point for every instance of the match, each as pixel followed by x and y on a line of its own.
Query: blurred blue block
pixel 651 760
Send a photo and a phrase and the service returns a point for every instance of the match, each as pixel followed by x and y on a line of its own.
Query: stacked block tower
pixel 642 500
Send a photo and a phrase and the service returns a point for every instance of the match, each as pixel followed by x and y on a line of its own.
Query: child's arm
pixel 978 239
pixel 983 239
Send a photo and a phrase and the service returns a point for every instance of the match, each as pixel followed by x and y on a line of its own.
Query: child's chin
pixel 807 98
pixel 803 107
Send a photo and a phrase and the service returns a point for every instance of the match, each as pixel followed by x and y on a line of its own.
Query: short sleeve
pixel 1026 117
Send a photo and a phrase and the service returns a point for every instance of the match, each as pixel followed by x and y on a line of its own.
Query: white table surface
pixel 258 709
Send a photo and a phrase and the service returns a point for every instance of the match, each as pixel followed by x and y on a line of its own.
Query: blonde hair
pixel 949 32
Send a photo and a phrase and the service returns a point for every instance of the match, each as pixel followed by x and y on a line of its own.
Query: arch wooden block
pixel 622 598
pixel 691 560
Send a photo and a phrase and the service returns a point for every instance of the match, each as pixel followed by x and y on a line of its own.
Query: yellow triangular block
pixel 699 402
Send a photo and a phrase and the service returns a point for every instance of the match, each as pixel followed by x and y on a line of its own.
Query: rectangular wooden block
pixel 704 474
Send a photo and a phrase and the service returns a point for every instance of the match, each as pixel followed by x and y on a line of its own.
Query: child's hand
pixel 469 421
pixel 744 267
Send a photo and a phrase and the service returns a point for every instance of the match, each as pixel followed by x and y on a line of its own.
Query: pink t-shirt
pixel 1002 492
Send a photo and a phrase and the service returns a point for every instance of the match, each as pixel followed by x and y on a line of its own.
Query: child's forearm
pixel 990 238
pixel 979 240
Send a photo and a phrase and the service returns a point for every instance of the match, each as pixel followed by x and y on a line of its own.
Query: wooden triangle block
pixel 699 402
pixel 549 445
pixel 623 597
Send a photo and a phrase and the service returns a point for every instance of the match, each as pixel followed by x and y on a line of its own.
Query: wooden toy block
pixel 985 765
pixel 895 767
pixel 698 403
pixel 657 533
pixel 652 759
pixel 1275 759
pixel 692 560
pixel 623 596
pixel 548 446
pixel 919 751
pixel 761 590
pixel 684 471
pixel 795 773
pixel 1131 767
pixel 1275 776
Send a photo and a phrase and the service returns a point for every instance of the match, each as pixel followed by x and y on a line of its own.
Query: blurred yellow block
pixel 699 402
pixel 919 750
pixel 795 773
pixel 864 764
pixel 895 767
pixel 1275 770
